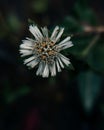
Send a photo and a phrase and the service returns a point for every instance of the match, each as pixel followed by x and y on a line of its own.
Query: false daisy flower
pixel 44 52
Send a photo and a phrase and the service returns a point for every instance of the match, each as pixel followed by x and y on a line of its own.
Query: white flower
pixel 44 52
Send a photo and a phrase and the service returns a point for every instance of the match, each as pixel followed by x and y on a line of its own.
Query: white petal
pixel 60 62
pixel 29 59
pixel 59 35
pixel 33 63
pixel 58 66
pixel 53 69
pixel 25 46
pixel 29 41
pixel 55 31
pixel 36 32
pixel 64 45
pixel 40 68
pixel 46 71
pixel 64 59
pixel 33 31
pixel 25 52
pixel 45 31
pixel 65 40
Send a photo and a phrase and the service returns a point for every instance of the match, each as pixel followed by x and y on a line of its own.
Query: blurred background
pixel 74 99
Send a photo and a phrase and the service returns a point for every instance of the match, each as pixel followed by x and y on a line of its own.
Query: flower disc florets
pixel 46 50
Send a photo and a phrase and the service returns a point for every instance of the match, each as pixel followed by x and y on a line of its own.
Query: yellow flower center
pixel 45 50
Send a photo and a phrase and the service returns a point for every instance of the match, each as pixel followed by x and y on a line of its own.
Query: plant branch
pixel 92 43
pixel 90 29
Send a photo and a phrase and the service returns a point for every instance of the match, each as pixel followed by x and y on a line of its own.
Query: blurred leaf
pixel 30 21
pixel 12 96
pixel 13 22
pixel 80 44
pixel 71 25
pixel 95 59
pixel 40 6
pixel 84 13
pixel 70 66
pixel 102 109
pixel 90 49
pixel 89 85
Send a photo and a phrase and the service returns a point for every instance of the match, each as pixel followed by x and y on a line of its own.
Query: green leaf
pixel 71 24
pixel 89 84
pixel 95 58
pixel 84 13
pixel 80 44
pixel 89 49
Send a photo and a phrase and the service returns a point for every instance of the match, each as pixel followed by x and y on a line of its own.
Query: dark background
pixel 74 99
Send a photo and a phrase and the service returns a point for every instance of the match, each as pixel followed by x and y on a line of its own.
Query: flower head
pixel 44 51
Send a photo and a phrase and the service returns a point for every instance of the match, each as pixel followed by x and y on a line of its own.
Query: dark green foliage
pixel 89 84
pixel 88 48
pixel 74 99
